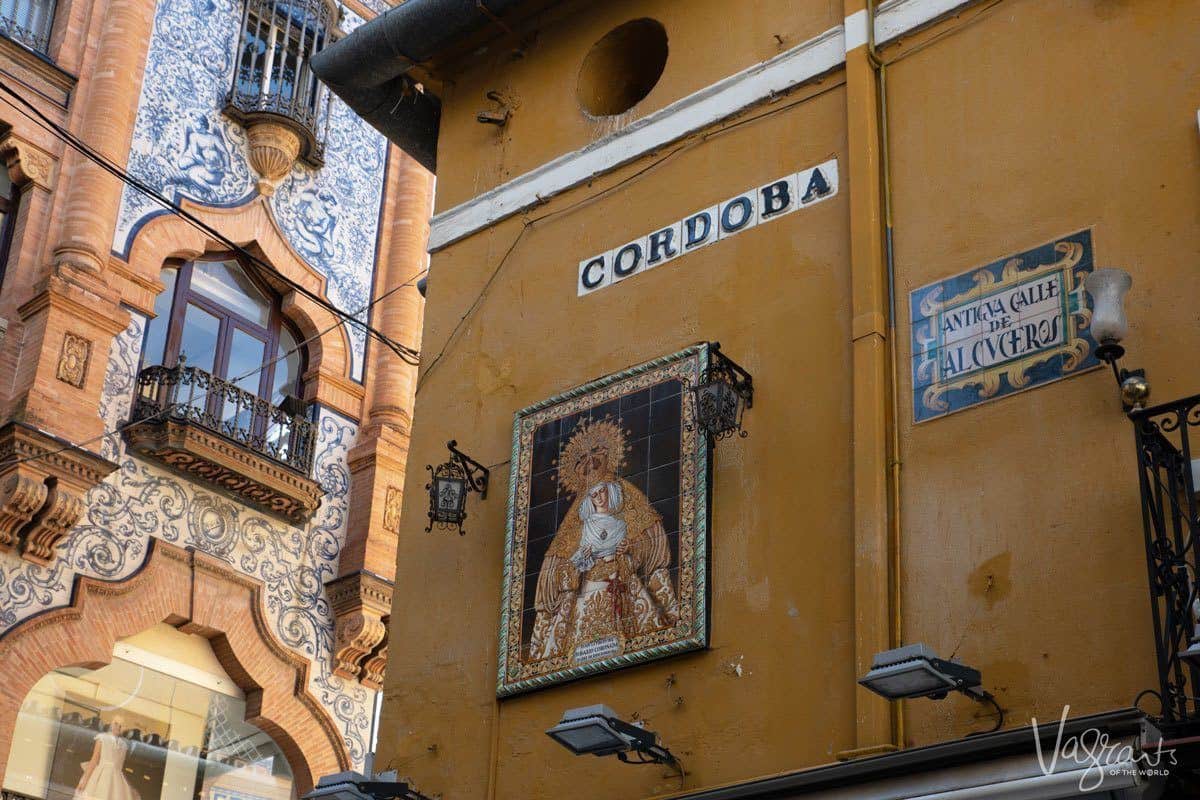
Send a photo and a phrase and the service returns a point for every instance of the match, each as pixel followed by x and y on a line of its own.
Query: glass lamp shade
pixel 593 730
pixel 589 736
pixel 912 679
pixel 1107 288
pixel 447 499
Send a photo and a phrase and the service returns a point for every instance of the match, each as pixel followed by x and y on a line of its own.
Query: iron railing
pixel 1172 536
pixel 188 394
pixel 28 22
pixel 278 39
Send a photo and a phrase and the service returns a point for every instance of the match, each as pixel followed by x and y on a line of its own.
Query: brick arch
pixel 253 226
pixel 197 594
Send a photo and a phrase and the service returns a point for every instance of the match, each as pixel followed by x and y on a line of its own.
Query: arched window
pixel 227 324
pixel 163 720
pixel 241 360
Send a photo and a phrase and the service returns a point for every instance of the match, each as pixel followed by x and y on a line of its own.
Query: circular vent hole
pixel 622 68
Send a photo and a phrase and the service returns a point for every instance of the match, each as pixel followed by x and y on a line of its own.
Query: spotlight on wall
pixel 596 730
pixel 1108 288
pixel 914 671
pixel 723 394
pixel 354 786
pixel 450 483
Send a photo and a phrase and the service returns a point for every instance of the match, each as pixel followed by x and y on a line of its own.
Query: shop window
pixel 163 720
pixel 28 22
pixel 622 68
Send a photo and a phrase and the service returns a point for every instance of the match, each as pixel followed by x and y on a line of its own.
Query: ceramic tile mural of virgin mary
pixel 606 558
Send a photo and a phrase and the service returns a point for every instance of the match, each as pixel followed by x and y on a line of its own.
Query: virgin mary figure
pixel 605 578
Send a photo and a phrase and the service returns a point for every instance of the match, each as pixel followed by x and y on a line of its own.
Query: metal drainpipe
pixel 889 251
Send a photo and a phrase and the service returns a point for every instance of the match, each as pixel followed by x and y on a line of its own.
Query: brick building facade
pixel 201 460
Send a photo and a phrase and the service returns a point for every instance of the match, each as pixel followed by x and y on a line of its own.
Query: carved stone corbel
pixel 359 602
pixel 376 665
pixel 356 636
pixel 26 162
pixel 62 510
pixel 20 498
pixel 43 485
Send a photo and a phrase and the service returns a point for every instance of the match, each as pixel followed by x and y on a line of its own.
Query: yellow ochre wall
pixel 1020 541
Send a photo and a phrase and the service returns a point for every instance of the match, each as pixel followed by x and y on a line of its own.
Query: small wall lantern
pixel 449 486
pixel 723 394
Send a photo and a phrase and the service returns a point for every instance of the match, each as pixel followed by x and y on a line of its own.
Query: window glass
pixel 156 329
pixel 149 726
pixel 199 339
pixel 246 356
pixel 228 284
pixel 287 368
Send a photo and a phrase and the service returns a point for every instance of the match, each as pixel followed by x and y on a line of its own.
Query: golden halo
pixel 595 452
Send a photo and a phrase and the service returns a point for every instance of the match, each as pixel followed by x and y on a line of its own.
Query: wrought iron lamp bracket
pixel 1134 388
pixel 721 365
pixel 476 474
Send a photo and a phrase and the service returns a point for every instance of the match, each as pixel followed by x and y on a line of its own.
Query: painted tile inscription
pixel 1014 324
pixel 605 563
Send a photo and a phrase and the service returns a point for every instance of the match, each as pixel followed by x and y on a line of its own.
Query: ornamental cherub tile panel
pixel 606 556
pixel 1014 324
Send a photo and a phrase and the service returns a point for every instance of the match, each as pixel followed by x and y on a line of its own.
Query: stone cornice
pixel 19 441
pixel 79 300
pixel 37 72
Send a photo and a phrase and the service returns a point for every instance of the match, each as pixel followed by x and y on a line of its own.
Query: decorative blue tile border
pixel 1017 323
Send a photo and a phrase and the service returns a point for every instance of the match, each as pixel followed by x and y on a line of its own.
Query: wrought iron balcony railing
pixel 188 394
pixel 273 81
pixel 28 22
pixel 1171 521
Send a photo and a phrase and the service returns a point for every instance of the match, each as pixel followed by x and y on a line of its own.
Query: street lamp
pixel 914 671
pixel 723 394
pixel 450 483
pixel 1108 288
pixel 355 786
pixel 596 730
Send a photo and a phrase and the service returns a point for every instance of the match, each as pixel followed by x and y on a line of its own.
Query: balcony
pixel 209 429
pixel 274 95
pixel 27 22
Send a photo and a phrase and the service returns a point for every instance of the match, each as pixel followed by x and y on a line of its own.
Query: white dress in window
pixel 107 781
